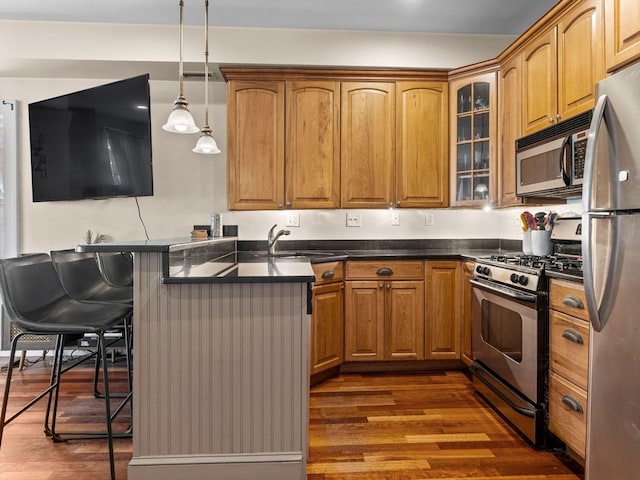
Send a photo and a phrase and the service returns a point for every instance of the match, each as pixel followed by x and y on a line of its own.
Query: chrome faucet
pixel 272 239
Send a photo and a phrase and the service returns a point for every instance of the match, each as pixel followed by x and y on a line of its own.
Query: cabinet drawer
pixel 391 269
pixel 568 412
pixel 568 297
pixel 328 272
pixel 569 347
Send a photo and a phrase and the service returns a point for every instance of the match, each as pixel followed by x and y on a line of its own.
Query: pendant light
pixel 206 144
pixel 180 119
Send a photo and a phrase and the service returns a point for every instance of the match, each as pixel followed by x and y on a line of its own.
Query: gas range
pixel 529 272
pixel 526 272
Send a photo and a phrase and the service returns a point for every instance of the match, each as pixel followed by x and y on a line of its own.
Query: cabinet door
pixel 622 32
pixel 312 144
pixel 473 108
pixel 511 127
pixel 580 59
pixel 364 321
pixel 404 320
pixel 467 273
pixel 539 99
pixel 443 299
pixel 422 173
pixel 255 145
pixel 367 144
pixel 327 327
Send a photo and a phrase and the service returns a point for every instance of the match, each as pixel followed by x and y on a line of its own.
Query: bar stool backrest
pixel 29 284
pixel 116 268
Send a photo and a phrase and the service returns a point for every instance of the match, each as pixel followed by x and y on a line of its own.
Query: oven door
pixel 508 335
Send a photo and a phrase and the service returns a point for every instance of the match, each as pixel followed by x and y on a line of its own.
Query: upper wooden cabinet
pixel 421 167
pixel 310 138
pixel 560 67
pixel 622 32
pixel 312 165
pixel 368 144
pixel 510 129
pixel 255 133
pixel 262 173
pixel 473 126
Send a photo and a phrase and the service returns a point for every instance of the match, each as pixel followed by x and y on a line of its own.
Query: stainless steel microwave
pixel 550 163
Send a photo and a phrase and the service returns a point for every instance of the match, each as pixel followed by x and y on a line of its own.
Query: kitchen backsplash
pixel 377 224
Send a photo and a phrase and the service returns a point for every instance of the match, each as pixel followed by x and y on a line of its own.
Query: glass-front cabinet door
pixel 473 137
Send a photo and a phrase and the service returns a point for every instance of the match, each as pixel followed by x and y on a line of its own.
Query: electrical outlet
pixel 293 219
pixel 429 219
pixel 395 218
pixel 353 219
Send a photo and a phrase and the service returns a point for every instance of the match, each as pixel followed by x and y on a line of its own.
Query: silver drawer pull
pixel 328 274
pixel 573 336
pixel 572 403
pixel 384 271
pixel 573 301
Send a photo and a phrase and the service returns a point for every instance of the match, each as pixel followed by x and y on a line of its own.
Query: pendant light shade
pixel 180 119
pixel 206 144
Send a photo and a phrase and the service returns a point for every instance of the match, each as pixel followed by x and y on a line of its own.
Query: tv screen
pixel 95 143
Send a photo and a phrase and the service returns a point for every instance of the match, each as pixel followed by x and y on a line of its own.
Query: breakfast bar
pixel 221 378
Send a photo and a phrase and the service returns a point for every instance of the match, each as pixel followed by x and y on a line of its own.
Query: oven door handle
pixel 484 285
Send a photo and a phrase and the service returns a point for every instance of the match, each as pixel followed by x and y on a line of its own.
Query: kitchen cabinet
pixel 473 105
pixel 421 166
pixel 622 33
pixel 560 67
pixel 367 144
pixel 510 129
pixel 443 309
pixel 466 353
pixel 384 310
pixel 309 138
pixel 255 145
pixel 312 153
pixel 279 159
pixel 568 363
pixel 327 320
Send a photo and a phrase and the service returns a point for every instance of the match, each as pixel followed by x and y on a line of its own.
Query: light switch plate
pixel 395 218
pixel 293 219
pixel 353 219
pixel 429 219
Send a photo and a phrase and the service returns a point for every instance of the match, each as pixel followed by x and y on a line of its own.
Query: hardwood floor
pixel 362 426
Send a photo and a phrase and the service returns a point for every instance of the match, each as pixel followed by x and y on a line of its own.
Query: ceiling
pixel 500 17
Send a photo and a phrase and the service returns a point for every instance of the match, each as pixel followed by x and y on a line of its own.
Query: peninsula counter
pixel 221 377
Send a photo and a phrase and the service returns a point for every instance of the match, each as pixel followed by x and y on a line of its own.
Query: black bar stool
pixel 34 299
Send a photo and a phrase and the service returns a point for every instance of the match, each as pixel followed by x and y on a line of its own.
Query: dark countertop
pixel 246 266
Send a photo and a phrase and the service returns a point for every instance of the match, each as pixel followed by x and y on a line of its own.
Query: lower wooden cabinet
pixel 568 364
pixel 466 355
pixel 384 311
pixel 443 310
pixel 327 320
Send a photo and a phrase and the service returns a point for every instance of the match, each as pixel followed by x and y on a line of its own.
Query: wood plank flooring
pixel 362 426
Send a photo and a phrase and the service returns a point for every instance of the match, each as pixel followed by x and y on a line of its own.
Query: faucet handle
pixel 272 229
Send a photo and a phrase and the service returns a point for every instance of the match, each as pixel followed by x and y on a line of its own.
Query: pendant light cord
pixel 206 63
pixel 180 68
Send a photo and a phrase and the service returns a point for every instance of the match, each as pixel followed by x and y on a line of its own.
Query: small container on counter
pixel 216 225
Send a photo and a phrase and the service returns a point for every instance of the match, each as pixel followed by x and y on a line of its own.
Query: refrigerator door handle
pixel 599 303
pixel 590 155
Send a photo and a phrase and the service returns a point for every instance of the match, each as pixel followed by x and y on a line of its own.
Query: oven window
pixel 502 329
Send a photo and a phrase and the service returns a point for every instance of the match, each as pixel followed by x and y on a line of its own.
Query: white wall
pixel 43 59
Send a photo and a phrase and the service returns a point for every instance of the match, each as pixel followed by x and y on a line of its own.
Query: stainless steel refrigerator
pixel 611 251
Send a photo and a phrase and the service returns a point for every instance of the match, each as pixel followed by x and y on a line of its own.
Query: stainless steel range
pixel 510 329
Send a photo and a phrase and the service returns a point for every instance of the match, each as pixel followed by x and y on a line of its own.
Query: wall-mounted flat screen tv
pixel 94 143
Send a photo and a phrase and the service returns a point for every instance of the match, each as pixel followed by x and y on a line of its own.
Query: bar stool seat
pixel 34 299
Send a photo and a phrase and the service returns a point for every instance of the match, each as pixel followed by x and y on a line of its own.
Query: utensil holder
pixel 541 242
